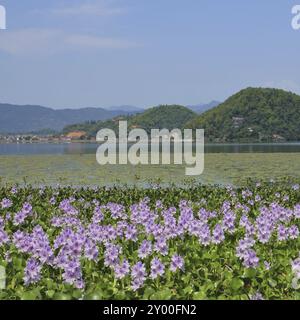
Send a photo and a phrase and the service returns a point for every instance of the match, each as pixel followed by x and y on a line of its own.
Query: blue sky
pixel 101 53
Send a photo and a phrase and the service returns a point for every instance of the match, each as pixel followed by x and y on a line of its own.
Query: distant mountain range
pixel 125 108
pixel 16 119
pixel 29 118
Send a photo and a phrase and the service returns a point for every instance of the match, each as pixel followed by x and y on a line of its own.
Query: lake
pixel 90 148
pixel 75 163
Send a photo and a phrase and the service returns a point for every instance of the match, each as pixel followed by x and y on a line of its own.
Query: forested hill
pixel 253 114
pixel 164 116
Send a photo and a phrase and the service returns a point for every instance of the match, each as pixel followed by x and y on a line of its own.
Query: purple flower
pixel 4 238
pixel 72 272
pixel 267 265
pixel 90 250
pixel 218 234
pixel 67 207
pixel 229 221
pixel 177 262
pixel 20 216
pixel 131 233
pixel 122 269
pixel 283 232
pixel 145 249
pixel 250 259
pixel 14 190
pixel 138 275
pixel 157 268
pixel 27 208
pixel 293 232
pixel 6 203
pixel 257 296
pixel 111 255
pixel 204 235
pixel 296 267
pixel 161 246
pixel 32 272
pixel 297 211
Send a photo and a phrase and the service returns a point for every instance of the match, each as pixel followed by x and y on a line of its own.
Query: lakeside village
pixel 36 138
pixel 75 136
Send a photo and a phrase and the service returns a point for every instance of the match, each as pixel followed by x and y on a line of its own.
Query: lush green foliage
pixel 210 271
pixel 163 117
pixel 253 114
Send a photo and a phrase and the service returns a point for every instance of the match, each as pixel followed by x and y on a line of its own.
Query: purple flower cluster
pixel 6 203
pixel 148 232
pixel 138 275
pixel 177 263
pixel 145 249
pixel 21 215
pixel 157 268
pixel 32 272
pixel 122 269
pixel 4 238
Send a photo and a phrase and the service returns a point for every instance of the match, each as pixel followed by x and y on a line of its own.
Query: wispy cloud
pixel 96 8
pixel 87 41
pixel 28 41
pixel 50 41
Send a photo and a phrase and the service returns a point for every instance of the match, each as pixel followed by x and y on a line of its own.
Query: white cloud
pixel 27 41
pixel 49 41
pixel 99 8
pixel 87 41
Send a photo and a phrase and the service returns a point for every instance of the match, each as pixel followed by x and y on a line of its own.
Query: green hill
pixel 164 116
pixel 252 115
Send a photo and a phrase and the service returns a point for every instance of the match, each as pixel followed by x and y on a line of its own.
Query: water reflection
pixel 90 148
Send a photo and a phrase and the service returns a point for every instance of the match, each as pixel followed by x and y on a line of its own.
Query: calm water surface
pixel 90 148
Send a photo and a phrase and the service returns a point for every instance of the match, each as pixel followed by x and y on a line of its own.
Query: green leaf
pixel 250 273
pixel 148 292
pixel 272 283
pixel 77 294
pixel 50 293
pixel 200 295
pixel 62 296
pixel 237 283
pixel 29 295
pixel 165 294
pixel 188 290
pixel 96 295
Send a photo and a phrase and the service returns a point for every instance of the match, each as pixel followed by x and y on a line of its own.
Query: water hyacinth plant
pixel 194 242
